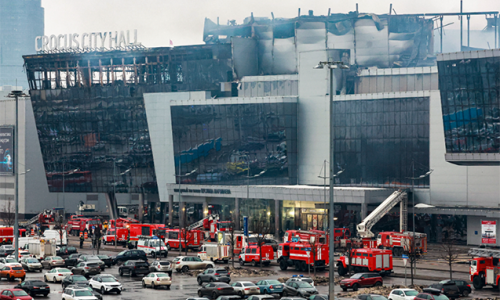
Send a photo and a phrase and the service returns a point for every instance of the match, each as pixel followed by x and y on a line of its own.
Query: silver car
pixel 161 266
pixel 245 288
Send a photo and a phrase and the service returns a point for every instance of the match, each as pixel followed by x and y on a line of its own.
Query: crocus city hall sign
pixel 97 41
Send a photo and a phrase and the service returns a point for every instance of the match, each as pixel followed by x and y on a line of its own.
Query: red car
pixel 361 280
pixel 10 294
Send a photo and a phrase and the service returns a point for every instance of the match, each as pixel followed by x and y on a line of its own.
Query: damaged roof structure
pixel 263 46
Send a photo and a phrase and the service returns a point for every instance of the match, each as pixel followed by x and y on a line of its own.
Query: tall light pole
pixel 324 182
pixel 16 95
pixel 181 220
pixel 413 178
pixel 332 65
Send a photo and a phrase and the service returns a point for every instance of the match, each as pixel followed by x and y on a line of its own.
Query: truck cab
pixel 153 246
pixel 251 254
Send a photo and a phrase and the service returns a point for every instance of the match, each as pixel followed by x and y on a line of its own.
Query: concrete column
pixel 277 220
pixel 205 207
pixel 170 209
pixel 237 224
pixel 364 211
pixel 182 215
pixel 141 207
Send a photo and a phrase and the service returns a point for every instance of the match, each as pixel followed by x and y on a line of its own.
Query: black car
pixel 108 261
pixel 134 268
pixel 129 255
pixel 72 260
pixel 66 250
pixel 449 289
pixel 463 286
pixel 216 289
pixel 300 289
pixel 96 294
pixel 34 287
pixel 74 280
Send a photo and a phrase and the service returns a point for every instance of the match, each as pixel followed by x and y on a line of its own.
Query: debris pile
pixel 238 272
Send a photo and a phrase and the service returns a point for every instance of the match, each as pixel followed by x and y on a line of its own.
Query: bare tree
pixel 8 214
pixel 231 239
pixel 315 247
pixel 261 227
pixel 413 256
pixel 59 227
pixel 449 253
pixel 185 239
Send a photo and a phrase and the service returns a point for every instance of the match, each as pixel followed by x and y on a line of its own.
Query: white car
pixel 77 294
pixel 31 264
pixel 157 279
pixel 105 284
pixel 186 263
pixel 8 262
pixel 245 288
pixel 402 294
pixel 56 274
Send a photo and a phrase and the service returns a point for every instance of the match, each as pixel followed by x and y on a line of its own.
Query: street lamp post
pixel 413 178
pixel 324 182
pixel 332 65
pixel 16 95
pixel 181 220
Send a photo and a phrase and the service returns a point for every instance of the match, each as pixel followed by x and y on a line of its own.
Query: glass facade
pixel 470 99
pixel 223 144
pixel 94 140
pixel 377 141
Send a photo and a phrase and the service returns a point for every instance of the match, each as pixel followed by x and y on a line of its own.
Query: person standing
pixel 82 239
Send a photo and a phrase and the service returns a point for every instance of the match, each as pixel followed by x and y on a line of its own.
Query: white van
pixel 54 234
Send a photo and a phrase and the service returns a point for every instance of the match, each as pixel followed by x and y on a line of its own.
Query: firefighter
pixel 82 239
pixel 128 242
pixel 99 243
pixel 93 241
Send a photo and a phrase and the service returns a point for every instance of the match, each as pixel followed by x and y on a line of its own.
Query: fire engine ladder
pixel 34 219
pixel 200 222
pixel 484 252
pixel 364 228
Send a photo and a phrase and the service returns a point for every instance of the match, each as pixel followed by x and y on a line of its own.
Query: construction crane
pixel 364 228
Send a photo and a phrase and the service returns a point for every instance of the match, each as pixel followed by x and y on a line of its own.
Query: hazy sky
pixel 159 21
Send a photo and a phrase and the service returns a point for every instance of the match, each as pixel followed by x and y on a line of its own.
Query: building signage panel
pixel 97 41
pixel 488 232
pixel 6 150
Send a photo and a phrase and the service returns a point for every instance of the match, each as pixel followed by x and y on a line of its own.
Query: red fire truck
pixel 251 254
pixel 86 224
pixel 6 235
pixel 305 236
pixel 401 242
pixel 484 267
pixel 137 230
pixel 122 222
pixel 194 239
pixel 302 255
pixel 121 236
pixel 366 260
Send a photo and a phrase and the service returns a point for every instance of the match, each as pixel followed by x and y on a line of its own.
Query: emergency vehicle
pixel 366 260
pixel 122 222
pixel 194 239
pixel 302 256
pixel 152 245
pixel 6 235
pixel 86 224
pixel 401 242
pixel 215 252
pixel 137 230
pixel 121 236
pixel 484 267
pixel 251 254
pixel 160 231
pixel 219 226
pixel 74 224
pixel 305 236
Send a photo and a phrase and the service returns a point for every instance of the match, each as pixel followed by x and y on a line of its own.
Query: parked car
pixel 300 289
pixel 53 262
pixel 431 295
pixel 4 253
pixel 463 286
pixel 66 250
pixel 105 284
pixel 107 260
pixel 96 294
pixel 245 288
pixel 161 266
pixel 448 288
pixel 300 278
pixel 319 297
pixel 371 297
pixel 8 248
pixel 270 286
pixel 31 264
pixel 155 280
pixel 8 262
pixel 216 289
pixel 72 260
pixel 197 298
pixel 228 297
pixel 87 269
pixel 214 275
pixel 56 274
pixel 92 259
pixel 361 280
pixel 77 280
pixel 76 293
pixel 129 255
pixel 134 268
pixel 17 294
pixel 260 297
pixel 402 294
pixel 12 272
pixel 293 298
pixel 186 263
pixel 34 287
